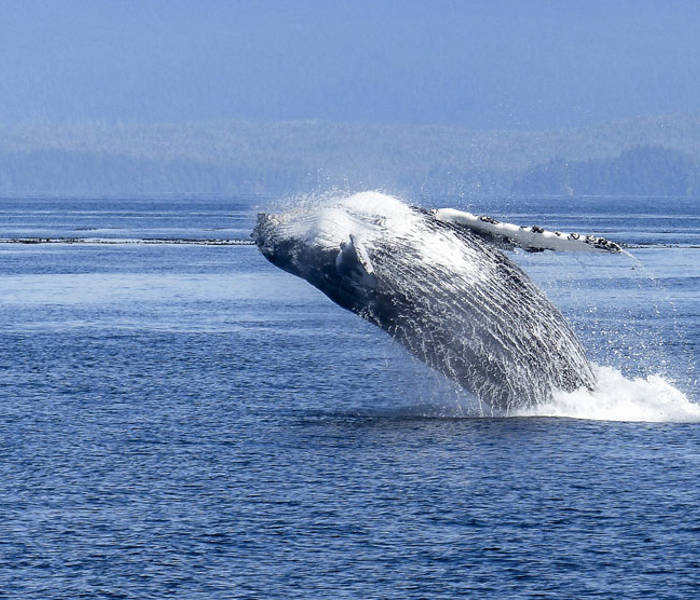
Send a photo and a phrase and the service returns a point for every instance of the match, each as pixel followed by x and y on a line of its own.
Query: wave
pixel 617 398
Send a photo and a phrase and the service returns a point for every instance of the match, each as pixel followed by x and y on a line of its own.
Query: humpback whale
pixel 438 282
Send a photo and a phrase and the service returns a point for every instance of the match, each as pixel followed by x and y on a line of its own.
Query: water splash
pixel 652 399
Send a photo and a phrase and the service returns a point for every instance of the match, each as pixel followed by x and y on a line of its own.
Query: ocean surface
pixel 180 419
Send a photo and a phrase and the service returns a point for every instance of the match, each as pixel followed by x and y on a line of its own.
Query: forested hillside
pixel 645 170
pixel 642 156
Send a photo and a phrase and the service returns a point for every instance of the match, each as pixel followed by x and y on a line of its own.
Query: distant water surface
pixel 188 421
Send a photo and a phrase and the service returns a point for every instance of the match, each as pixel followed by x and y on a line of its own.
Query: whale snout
pixel 263 225
pixel 264 233
pixel 276 243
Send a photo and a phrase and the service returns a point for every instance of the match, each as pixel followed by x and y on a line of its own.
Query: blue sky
pixel 497 64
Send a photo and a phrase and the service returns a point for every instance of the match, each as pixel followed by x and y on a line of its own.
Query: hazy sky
pixel 526 64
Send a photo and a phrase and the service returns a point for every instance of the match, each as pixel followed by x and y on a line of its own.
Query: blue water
pixel 188 421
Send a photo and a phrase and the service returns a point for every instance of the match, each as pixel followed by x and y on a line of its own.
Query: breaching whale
pixel 438 283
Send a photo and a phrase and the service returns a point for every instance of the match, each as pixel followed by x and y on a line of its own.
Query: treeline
pixel 645 156
pixel 644 171
pixel 67 173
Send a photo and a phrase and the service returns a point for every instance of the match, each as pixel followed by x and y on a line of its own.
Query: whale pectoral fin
pixel 362 256
pixel 533 239
pixel 354 263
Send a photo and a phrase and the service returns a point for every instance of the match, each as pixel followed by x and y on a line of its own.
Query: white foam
pixel 330 220
pixel 618 398
pixel 364 216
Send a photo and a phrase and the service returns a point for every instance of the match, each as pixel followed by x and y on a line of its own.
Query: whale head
pixel 330 245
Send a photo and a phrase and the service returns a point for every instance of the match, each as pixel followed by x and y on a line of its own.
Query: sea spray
pixel 624 316
pixel 617 398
